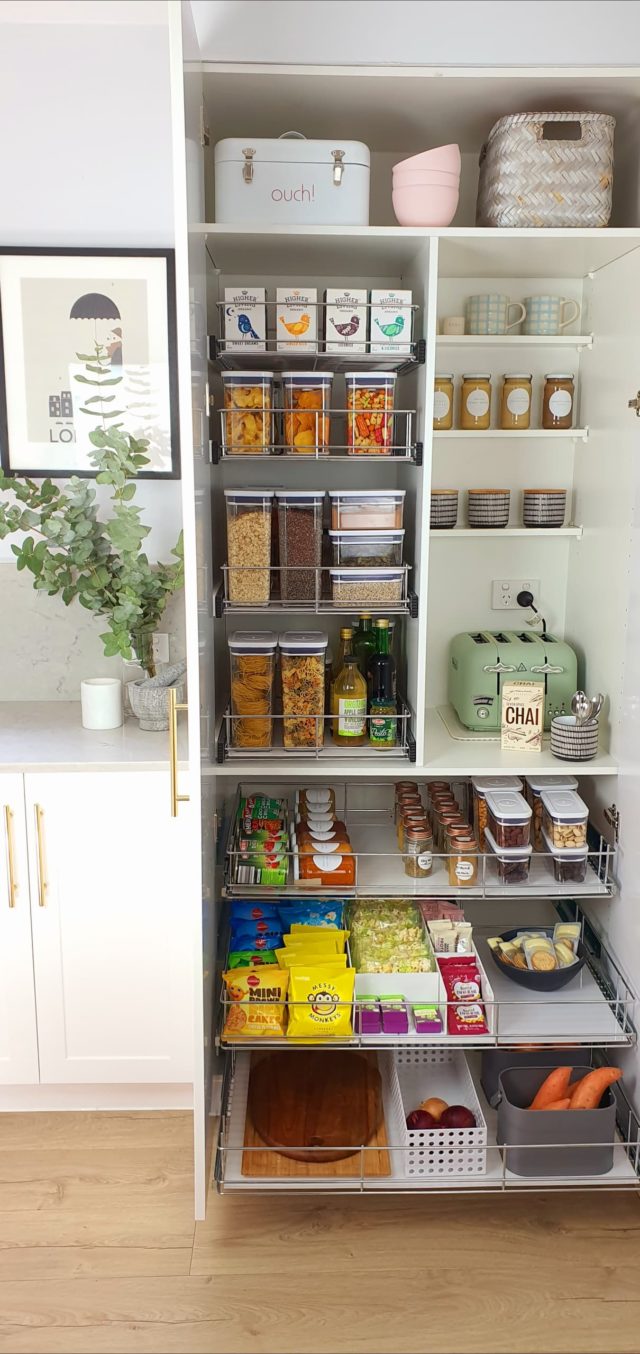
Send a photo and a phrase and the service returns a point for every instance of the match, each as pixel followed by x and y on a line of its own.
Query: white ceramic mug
pixel 546 314
pixel 453 324
pixel 489 313
pixel 101 700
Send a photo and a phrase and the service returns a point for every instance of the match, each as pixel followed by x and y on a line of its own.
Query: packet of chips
pixel 313 913
pixel 247 959
pixel 321 935
pixel 245 910
pixel 257 998
pixel 320 1003
pixel 290 956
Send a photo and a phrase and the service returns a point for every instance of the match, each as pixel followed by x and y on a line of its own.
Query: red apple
pixel 420 1119
pixel 457 1116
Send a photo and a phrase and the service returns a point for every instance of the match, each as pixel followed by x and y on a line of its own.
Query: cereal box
pixel 522 716
pixel 345 320
pixel 296 320
pixel 390 321
pixel 245 322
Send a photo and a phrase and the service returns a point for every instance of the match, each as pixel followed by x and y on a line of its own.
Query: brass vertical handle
pixel 43 883
pixel 11 859
pixel 174 707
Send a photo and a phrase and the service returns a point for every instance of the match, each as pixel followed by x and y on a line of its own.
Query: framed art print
pixel 87 341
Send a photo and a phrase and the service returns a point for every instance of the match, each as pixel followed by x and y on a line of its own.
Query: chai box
pixel 522 716
pixel 245 318
pixel 390 322
pixel 297 320
pixel 345 320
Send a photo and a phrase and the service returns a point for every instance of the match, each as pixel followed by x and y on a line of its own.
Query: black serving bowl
pixel 539 982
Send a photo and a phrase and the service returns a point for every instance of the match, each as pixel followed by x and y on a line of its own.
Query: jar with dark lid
pixel 409 800
pixel 412 815
pixel 515 405
pixel 557 401
pixel 418 848
pixel 463 862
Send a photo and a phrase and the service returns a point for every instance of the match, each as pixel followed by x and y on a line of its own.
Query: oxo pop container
pixel 564 818
pixel 249 545
pixel 569 862
pixel 253 663
pixel 366 509
pixel 367 588
pixel 302 655
pixel 300 540
pixel 509 818
pixel 512 862
pixel 247 425
pixel 307 401
pixel 534 785
pixel 481 786
pixel 377 549
pixel 370 412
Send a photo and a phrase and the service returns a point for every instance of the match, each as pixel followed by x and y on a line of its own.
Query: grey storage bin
pixel 536 1139
pixel 497 1060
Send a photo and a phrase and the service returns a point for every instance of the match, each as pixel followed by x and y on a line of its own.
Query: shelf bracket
pixel 412 599
pixel 612 817
pixel 419 457
pixel 218 601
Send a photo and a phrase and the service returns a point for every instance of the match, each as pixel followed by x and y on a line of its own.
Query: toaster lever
pixel 499 667
pixel 547 667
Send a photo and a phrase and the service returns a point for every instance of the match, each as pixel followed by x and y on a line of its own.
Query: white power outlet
pixel 160 648
pixel 504 592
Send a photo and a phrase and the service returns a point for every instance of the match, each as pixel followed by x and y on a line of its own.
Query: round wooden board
pixel 299 1102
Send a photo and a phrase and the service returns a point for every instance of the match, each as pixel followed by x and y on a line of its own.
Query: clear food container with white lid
pixel 534 785
pixel 370 412
pixel 366 549
pixel 302 655
pixel 248 421
pixel 253 665
pixel 509 817
pixel 366 588
pixel 569 862
pixel 366 509
pixel 564 818
pixel 480 786
pixel 512 862
pixel 248 545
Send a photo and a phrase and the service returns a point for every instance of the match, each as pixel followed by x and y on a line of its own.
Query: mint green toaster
pixel 481 661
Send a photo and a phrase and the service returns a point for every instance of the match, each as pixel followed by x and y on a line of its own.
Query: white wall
pixel 422 32
pixel 85 159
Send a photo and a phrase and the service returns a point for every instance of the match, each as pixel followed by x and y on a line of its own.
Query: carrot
pixel 590 1090
pixel 554 1105
pixel 554 1087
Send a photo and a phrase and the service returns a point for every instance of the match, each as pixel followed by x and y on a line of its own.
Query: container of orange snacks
pixel 307 401
pixel 370 412
pixel 253 663
pixel 248 420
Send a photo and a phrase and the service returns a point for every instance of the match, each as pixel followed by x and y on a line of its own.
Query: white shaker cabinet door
pixel 112 939
pixel 18 1039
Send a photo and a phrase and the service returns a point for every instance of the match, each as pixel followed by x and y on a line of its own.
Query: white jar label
pixel 560 403
pixel 425 860
pixel 477 403
pixel 464 869
pixel 518 402
pixel 441 405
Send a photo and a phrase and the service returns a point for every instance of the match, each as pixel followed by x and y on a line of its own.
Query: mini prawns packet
pixel 522 716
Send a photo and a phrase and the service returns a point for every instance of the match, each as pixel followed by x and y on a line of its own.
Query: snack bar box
pixel 292 182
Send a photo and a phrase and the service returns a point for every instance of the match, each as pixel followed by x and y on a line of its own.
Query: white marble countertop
pixel 48 736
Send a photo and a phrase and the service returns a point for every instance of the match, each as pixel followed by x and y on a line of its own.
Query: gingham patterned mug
pixel 546 314
pixel 489 313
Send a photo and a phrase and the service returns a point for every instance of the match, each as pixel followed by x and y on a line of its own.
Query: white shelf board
pixel 476 754
pixel 506 434
pixel 517 341
pixel 548 533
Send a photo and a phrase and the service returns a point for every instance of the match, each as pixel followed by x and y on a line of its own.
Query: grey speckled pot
pixel 150 704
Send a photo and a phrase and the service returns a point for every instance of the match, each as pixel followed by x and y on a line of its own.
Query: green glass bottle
pixel 383 706
pixel 364 643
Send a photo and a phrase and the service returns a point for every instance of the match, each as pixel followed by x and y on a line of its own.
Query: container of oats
pixel 302 656
pixel 248 546
pixel 370 412
pixel 367 588
pixel 248 420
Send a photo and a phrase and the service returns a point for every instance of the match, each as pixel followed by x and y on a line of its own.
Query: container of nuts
pixel 248 420
pixel 534 785
pixel 564 818
pixel 509 818
pixel 366 588
pixel 481 785
pixel 370 412
pixel 248 545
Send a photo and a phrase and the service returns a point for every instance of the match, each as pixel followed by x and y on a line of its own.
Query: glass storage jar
pixel 418 850
pixel 253 661
pixel 406 799
pixel 475 402
pixel 515 404
pixel 463 862
pixel 410 816
pixel 248 420
pixel 443 403
pixel 248 545
pixel 302 679
pixel 557 402
pixel 300 543
pixel 370 412
pixel 307 401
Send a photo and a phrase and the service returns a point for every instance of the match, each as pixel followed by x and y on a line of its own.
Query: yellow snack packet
pixel 309 958
pixel 320 1004
pixel 316 936
pixel 257 997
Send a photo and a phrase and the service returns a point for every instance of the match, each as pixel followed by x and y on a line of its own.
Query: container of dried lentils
pixel 300 542
pixel 302 656
pixel 248 545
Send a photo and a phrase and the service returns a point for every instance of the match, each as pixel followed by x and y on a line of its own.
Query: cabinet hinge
pixel 612 816
pixel 204 130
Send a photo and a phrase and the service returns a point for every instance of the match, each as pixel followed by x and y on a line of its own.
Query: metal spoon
pixel 581 707
pixel 597 703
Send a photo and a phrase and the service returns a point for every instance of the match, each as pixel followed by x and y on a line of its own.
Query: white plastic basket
pixel 443 1072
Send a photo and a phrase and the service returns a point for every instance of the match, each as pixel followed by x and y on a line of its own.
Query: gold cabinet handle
pixel 174 707
pixel 11 859
pixel 43 885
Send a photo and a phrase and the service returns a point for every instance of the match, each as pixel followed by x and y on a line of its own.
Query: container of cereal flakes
pixel 248 421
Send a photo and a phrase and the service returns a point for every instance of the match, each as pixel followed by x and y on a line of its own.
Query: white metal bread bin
pixel 291 181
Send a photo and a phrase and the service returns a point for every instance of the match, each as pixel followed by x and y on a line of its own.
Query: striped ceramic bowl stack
pixel 544 507
pixel 488 507
pixel 444 508
pixel 574 742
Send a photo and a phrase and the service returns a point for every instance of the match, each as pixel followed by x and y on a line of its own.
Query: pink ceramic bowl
pixel 424 205
pixel 441 157
pixel 416 178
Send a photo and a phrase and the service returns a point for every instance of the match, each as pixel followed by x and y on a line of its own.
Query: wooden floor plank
pixel 74 1262
pixel 116 1128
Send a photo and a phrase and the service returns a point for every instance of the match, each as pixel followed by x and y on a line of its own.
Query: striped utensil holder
pixel 573 742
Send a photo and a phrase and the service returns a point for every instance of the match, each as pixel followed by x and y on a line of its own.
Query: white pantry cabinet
pixel 18 1037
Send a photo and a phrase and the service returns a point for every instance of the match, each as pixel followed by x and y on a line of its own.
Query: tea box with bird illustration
pixel 345 320
pixel 296 319
pixel 390 321
pixel 245 324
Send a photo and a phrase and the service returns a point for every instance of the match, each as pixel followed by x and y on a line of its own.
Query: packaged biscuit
pixel 321 1004
pixel 257 997
pixel 539 954
pixel 252 959
pixel 569 931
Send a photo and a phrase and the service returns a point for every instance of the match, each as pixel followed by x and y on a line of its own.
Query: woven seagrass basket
pixel 536 172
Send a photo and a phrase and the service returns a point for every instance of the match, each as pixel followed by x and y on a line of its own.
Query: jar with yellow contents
pixel 475 402
pixel 443 403
pixel 515 405
pixel 463 862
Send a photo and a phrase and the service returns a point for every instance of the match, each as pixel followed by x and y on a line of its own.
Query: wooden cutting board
pixel 299 1103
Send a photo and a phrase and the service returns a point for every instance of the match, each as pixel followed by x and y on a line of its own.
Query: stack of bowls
pixel 488 507
pixel 573 742
pixel 426 187
pixel 544 507
pixel 444 507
